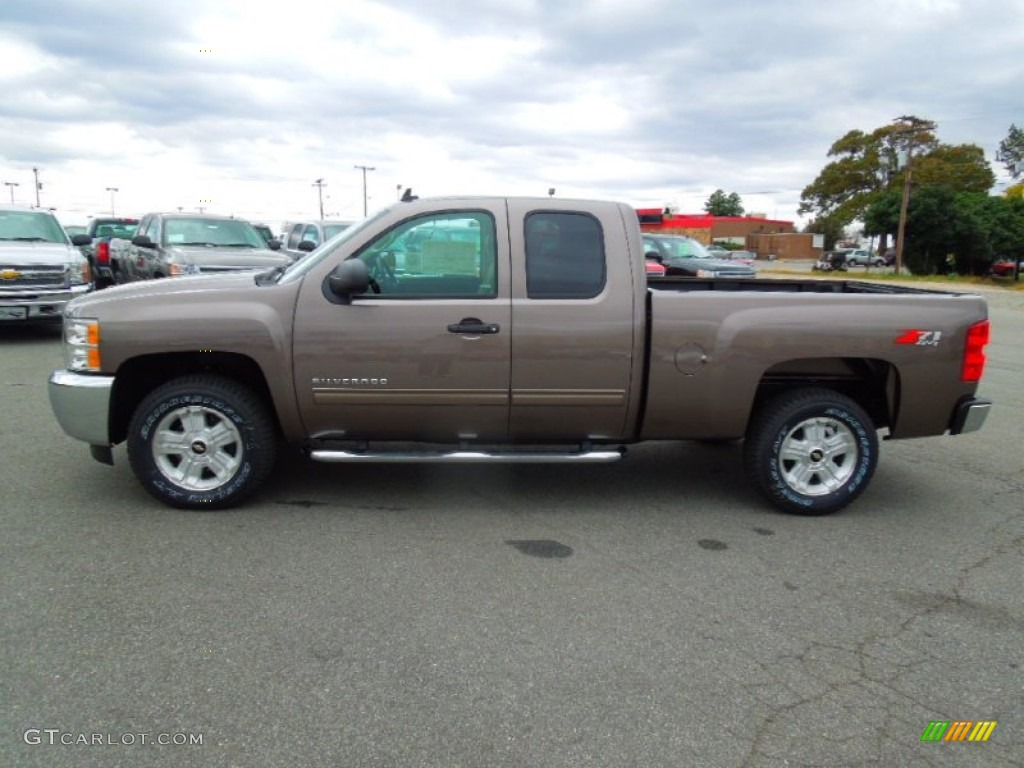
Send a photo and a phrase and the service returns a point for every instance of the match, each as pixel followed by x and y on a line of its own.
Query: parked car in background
pixel 1006 267
pixel 301 237
pixel 176 244
pixel 687 257
pixel 744 257
pixel 654 268
pixel 264 231
pixel 40 270
pixel 861 257
pixel 75 229
pixel 94 244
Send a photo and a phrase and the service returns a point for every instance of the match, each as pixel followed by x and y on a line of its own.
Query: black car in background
pixel 687 257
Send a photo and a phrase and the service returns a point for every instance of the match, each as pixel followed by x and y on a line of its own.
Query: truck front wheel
pixel 201 442
pixel 811 451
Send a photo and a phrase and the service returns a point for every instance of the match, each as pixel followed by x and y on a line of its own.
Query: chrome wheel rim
pixel 197 448
pixel 818 456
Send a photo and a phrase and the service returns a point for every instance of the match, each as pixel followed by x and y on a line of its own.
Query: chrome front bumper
pixel 81 404
pixel 42 304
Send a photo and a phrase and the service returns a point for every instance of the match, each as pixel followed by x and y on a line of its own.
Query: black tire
pixel 811 451
pixel 201 442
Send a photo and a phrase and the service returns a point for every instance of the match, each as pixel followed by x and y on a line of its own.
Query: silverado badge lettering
pixel 332 381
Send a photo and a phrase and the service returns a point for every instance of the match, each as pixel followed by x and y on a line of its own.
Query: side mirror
pixel 349 278
pixel 307 246
pixel 81 240
pixel 654 255
pixel 274 245
pixel 143 241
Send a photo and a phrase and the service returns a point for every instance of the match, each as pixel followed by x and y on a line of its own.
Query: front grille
pixel 13 276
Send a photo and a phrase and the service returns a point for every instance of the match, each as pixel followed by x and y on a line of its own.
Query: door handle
pixel 473 327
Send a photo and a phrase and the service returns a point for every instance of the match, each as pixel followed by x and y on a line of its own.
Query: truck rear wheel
pixel 201 442
pixel 811 451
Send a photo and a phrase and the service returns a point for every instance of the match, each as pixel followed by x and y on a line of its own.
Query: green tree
pixel 721 204
pixel 1011 151
pixel 961 167
pixel 946 230
pixel 865 166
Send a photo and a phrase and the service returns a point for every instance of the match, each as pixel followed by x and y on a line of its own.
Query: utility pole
pixel 112 190
pixel 911 127
pixel 320 184
pixel 364 169
pixel 12 185
pixel 38 185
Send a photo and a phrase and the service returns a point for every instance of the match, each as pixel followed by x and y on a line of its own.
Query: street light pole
pixel 112 190
pixel 320 184
pixel 39 186
pixel 364 169
pixel 12 185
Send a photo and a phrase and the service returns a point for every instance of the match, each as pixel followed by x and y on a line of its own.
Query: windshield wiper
pixel 197 242
pixel 29 239
pixel 237 245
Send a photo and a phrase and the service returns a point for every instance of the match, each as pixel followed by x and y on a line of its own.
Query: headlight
pixel 176 270
pixel 79 272
pixel 706 273
pixel 81 344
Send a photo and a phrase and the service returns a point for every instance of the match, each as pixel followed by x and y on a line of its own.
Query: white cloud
pixel 247 103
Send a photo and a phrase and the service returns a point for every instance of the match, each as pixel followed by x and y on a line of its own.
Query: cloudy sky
pixel 238 106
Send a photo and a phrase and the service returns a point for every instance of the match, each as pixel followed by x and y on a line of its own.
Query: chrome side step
pixel 467 457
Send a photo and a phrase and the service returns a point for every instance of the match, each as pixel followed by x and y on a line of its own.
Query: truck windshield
pixel 31 227
pixel 307 262
pixel 686 248
pixel 232 233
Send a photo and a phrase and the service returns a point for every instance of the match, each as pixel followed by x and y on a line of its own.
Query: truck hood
pixel 722 266
pixel 165 291
pixel 16 253
pixel 205 256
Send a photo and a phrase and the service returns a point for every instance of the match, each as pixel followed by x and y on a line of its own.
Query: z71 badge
pixel 920 338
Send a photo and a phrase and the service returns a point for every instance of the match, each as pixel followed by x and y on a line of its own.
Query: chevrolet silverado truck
pixel 40 270
pixel 175 244
pixel 94 244
pixel 541 339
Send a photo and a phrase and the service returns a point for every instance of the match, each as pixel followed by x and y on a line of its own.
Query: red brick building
pixel 765 237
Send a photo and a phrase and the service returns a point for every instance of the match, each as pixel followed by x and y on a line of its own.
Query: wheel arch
pixel 139 376
pixel 872 383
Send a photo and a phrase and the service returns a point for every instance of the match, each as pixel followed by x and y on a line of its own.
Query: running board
pixel 467 457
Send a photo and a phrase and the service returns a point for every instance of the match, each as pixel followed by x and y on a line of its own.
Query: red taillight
pixel 974 352
pixel 102 253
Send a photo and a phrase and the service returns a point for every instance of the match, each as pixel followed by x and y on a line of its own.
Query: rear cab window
pixel 565 256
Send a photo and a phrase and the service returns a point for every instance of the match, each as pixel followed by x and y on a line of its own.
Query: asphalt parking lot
pixel 654 612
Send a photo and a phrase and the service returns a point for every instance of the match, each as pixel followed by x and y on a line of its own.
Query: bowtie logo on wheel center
pixel 817 455
pixel 198 447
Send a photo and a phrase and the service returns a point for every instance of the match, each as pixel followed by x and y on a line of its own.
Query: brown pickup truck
pixel 510 329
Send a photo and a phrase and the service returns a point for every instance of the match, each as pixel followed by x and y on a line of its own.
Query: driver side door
pixel 426 356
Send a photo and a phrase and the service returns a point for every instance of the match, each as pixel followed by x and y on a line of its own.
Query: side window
pixel 446 255
pixel 152 230
pixel 564 256
pixel 294 237
pixel 311 234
